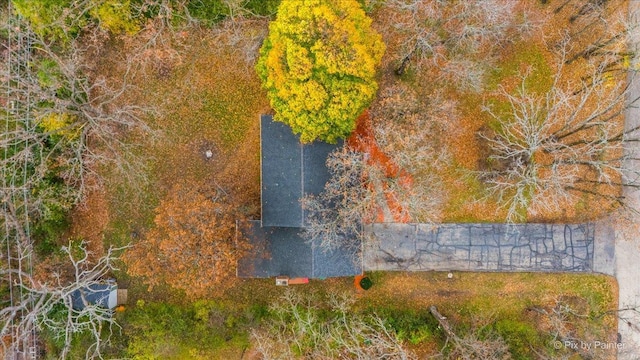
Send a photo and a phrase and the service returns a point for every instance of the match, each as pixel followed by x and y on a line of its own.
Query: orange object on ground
pixel 298 281
pixel 356 282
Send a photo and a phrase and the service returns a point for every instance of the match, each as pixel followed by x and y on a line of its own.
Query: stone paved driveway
pixel 478 247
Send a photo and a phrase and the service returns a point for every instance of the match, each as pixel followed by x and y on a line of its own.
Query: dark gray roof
pixel 289 171
pixel 283 251
pixel 281 168
pixel 95 294
pixel 315 173
pixel 277 251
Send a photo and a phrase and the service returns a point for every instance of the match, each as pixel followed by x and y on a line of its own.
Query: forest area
pixel 131 150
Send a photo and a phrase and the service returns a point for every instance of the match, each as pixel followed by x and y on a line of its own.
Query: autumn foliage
pixel 193 245
pixel 318 65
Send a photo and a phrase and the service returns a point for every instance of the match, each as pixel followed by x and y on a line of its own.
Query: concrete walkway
pixel 628 276
pixel 484 247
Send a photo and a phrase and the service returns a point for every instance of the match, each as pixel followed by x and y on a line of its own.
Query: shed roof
pixel 103 295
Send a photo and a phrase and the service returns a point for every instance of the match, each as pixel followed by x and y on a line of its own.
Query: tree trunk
pixel 442 320
pixel 404 63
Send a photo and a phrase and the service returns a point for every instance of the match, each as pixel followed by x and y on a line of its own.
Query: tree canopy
pixel 318 65
pixel 65 19
pixel 193 245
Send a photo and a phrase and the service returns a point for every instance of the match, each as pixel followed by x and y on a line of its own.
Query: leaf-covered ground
pixel 532 53
pixel 206 98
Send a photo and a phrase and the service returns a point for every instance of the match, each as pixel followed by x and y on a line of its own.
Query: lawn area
pixel 205 98
pixel 509 304
pixel 210 100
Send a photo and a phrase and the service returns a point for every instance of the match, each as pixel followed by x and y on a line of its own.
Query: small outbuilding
pixel 105 295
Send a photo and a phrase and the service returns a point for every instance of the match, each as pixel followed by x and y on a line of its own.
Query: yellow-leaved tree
pixel 318 65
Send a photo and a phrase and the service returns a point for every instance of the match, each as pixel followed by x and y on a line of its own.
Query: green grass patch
pixel 228 116
pixel 415 326
pixel 191 331
pixel 209 12
pixel 524 59
pixel 465 190
pixel 520 336
pixel 262 7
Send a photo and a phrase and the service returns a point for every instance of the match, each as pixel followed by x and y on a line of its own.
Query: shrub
pixel 208 12
pixel 366 283
pixel 63 20
pixel 60 126
pixel 115 16
pixel 410 325
pixel 519 336
pixel 56 200
pixel 262 7
pixel 169 331
pixel 51 18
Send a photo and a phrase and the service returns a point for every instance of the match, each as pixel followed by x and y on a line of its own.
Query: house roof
pixel 284 251
pixel 289 171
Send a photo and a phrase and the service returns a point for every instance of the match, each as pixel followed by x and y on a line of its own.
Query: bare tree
pixel 59 126
pixel 552 147
pixel 597 28
pixel 89 116
pixel 411 132
pixel 303 329
pixel 49 306
pixel 336 216
pixel 161 40
pixel 242 35
pixel 568 323
pixel 405 177
pixel 101 113
pixel 454 34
